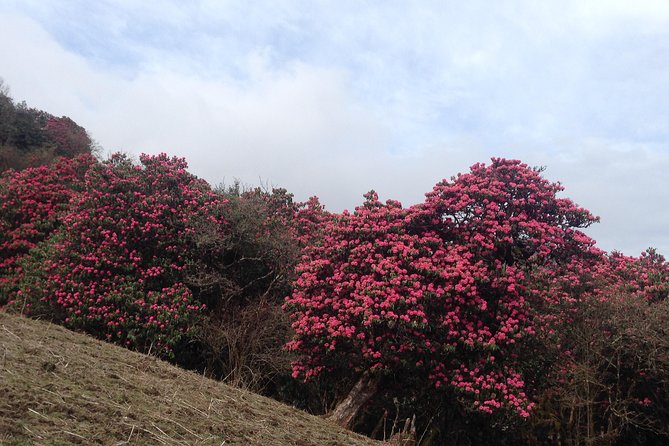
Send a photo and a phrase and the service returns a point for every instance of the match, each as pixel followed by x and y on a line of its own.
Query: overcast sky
pixel 334 98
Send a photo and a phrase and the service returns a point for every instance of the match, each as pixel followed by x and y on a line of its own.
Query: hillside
pixel 59 388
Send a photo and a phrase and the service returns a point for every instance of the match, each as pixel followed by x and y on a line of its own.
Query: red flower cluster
pixel 441 287
pixel 116 266
pixel 646 276
pixel 32 202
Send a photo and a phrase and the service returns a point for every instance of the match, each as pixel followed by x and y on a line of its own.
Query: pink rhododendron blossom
pixel 439 286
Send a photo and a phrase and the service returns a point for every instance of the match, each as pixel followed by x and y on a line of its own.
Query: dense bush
pixel 242 270
pixel 243 274
pixel 607 360
pixel 32 205
pixel 116 267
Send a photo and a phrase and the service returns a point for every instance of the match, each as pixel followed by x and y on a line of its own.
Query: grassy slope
pixel 60 388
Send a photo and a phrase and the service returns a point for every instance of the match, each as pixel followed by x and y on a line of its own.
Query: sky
pixel 334 98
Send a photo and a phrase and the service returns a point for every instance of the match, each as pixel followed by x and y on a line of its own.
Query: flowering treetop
pixel 440 288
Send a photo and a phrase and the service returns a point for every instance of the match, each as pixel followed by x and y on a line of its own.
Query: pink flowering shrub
pixel 443 288
pixel 32 203
pixel 309 222
pixel 605 351
pixel 116 266
pixel 646 276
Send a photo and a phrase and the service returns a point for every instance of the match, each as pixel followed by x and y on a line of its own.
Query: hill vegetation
pixel 483 312
pixel 30 137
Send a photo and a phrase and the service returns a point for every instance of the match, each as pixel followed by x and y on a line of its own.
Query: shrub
pixel 116 266
pixel 242 271
pixel 32 204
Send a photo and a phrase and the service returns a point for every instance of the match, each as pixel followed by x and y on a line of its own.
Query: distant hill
pixel 58 387
pixel 31 137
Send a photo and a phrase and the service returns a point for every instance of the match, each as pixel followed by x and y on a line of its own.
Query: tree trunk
pixel 347 410
pixel 407 436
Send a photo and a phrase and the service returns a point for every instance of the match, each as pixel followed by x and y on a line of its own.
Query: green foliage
pixel 242 270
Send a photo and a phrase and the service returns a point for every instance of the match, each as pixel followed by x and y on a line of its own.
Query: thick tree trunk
pixel 347 410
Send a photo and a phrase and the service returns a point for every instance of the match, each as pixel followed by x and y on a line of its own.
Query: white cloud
pixel 334 99
pixel 607 14
pixel 626 185
pixel 273 126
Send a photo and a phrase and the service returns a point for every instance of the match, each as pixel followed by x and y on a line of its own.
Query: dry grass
pixel 63 388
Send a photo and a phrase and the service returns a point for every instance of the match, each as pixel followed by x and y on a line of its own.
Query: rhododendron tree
pixel 309 222
pixel 32 203
pixel 607 365
pixel 441 289
pixel 116 266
